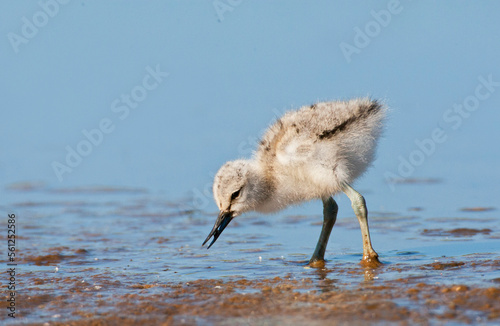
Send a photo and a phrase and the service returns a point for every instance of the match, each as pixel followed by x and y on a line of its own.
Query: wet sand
pixel 108 256
pixel 287 300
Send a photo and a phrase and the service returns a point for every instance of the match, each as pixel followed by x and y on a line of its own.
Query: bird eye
pixel 236 194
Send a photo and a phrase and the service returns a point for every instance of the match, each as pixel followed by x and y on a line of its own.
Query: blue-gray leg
pixel 330 210
pixel 370 257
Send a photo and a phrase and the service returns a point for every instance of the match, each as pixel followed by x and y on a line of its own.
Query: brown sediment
pixel 477 209
pixel 459 232
pixel 160 239
pixel 50 259
pixel 25 186
pixel 99 299
pixel 278 300
pixel 54 257
pixel 442 266
pixel 467 231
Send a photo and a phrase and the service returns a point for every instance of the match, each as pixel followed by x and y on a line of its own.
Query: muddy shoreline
pixel 125 258
pixel 325 297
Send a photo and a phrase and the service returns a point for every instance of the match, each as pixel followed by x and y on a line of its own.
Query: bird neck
pixel 262 186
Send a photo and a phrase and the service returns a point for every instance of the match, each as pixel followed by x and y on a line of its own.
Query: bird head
pixel 233 189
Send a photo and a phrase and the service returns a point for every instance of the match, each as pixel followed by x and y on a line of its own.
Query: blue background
pixel 230 77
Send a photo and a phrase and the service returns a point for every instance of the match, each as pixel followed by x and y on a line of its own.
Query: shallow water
pixel 114 242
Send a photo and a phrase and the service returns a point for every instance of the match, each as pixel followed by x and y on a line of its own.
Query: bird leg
pixel 330 210
pixel 370 257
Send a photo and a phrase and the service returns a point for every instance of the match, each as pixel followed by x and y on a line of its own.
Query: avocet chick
pixel 312 153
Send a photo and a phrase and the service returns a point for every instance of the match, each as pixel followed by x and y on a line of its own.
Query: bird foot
pixel 316 263
pixel 370 261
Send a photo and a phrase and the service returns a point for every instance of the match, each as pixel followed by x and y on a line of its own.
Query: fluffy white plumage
pixel 307 154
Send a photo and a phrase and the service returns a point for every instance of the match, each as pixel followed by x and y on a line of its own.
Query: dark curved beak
pixel 220 224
